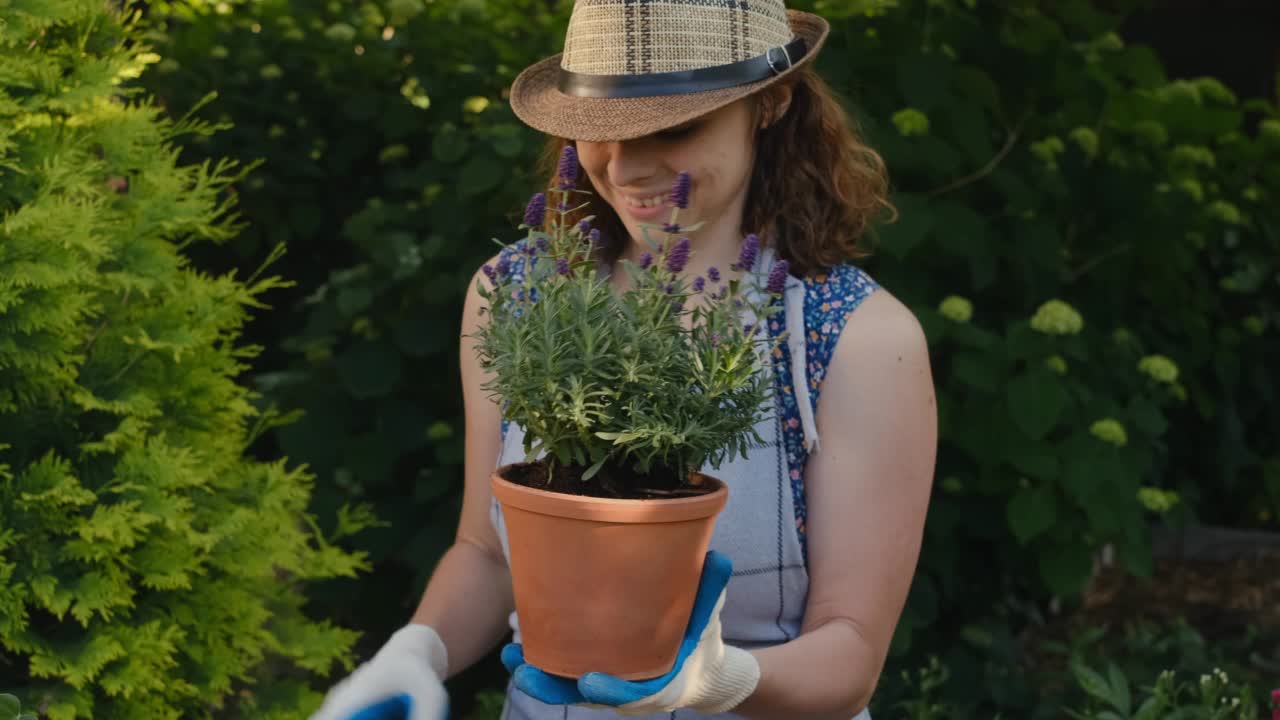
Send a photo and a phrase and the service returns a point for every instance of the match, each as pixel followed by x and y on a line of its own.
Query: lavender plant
pixel 626 391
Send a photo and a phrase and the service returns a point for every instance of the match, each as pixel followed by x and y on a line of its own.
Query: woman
pixel 823 538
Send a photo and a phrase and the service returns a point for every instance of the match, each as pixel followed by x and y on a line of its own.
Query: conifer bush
pixel 148 569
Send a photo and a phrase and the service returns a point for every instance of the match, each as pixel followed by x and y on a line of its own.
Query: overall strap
pixel 816 309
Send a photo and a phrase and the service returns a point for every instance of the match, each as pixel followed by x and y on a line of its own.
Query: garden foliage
pixel 148 569
pixel 1091 245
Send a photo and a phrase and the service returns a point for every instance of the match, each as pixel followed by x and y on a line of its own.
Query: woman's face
pixel 635 176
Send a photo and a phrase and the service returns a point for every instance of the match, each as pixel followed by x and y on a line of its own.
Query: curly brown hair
pixel 816 204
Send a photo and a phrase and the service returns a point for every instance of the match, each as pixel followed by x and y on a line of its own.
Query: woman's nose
pixel 630 165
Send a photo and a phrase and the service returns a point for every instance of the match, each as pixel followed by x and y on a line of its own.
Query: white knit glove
pixel 403 681
pixel 708 676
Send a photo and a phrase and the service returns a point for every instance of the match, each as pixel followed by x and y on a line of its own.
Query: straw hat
pixel 634 67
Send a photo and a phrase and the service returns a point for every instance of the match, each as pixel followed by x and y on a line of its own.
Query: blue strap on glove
pixel 396 708
pixel 708 675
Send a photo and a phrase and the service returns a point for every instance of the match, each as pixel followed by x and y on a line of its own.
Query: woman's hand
pixel 708 675
pixel 401 682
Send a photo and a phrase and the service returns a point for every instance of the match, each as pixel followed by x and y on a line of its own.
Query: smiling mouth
pixel 653 201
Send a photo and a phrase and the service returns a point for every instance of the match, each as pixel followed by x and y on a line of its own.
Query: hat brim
pixel 538 102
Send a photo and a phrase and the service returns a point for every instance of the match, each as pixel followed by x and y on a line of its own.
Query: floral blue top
pixel 829 298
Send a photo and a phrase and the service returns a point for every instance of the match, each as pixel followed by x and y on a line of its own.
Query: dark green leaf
pixel 923 79
pixel 481 173
pixel 449 145
pixel 1147 417
pixel 369 369
pixel 1064 568
pixel 1031 512
pixel 1121 698
pixel 977 371
pixel 507 141
pixel 915 220
pixel 1035 459
pixel 1036 401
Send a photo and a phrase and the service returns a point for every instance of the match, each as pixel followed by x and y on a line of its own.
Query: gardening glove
pixel 403 681
pixel 708 675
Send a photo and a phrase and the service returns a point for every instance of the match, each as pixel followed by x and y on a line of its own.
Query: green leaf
pixel 973 134
pixel 1150 710
pixel 976 85
pixel 1147 417
pixel 1035 459
pixel 1134 552
pixel 449 145
pixel 1090 681
pixel 595 468
pixel 1120 695
pixel 507 141
pixel 960 231
pixel 1064 568
pixel 481 173
pixel 1036 401
pixel 973 336
pixel 977 371
pixel 923 80
pixel 9 705
pixel 1031 512
pixel 369 369
pixel 915 220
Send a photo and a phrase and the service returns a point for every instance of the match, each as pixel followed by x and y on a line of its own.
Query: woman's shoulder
pixel 832 293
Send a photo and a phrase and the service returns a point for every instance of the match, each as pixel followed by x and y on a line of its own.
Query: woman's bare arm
pixel 867 494
pixel 468 598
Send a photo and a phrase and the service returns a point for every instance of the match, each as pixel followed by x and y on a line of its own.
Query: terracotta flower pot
pixel 604 585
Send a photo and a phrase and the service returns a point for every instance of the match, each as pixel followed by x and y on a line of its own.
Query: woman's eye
pixel 675 133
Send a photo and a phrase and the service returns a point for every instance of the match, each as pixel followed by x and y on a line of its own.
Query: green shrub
pixel 1146 671
pixel 147 568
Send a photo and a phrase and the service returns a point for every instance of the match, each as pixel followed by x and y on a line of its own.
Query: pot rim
pixel 615 510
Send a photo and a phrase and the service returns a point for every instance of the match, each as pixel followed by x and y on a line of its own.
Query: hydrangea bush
pixel 657 380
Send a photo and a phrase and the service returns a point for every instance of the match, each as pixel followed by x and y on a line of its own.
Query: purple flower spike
pixel 646 260
pixel 677 305
pixel 713 273
pixel 680 191
pixel 536 210
pixel 669 288
pixel 724 292
pixel 679 255
pixel 778 277
pixel 748 327
pixel 750 249
pixel 568 170
pixel 698 283
pixel 584 227
pixel 562 206
pixel 595 237
pixel 489 272
pixel 671 228
pixel 542 244
pixel 562 266
pixel 504 266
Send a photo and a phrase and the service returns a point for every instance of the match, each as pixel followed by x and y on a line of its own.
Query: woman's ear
pixel 777 105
